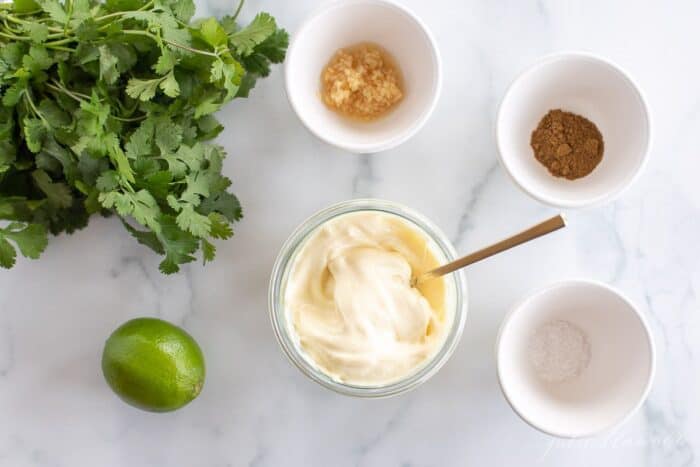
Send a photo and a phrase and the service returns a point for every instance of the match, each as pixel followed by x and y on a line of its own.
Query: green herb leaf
pixel 143 89
pixel 57 193
pixel 38 32
pixel 245 40
pixel 55 11
pixel 34 133
pixel 165 63
pixel 13 94
pixel 183 10
pixel 24 6
pixel 54 115
pixel 108 65
pixel 169 85
pixel 219 226
pixel 31 239
pixel 208 251
pixel 212 32
pixel 178 245
pixel 8 254
pixel 193 222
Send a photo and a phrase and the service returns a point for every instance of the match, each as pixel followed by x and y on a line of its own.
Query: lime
pixel 153 365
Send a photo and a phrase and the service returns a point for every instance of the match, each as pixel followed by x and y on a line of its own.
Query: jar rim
pixel 278 316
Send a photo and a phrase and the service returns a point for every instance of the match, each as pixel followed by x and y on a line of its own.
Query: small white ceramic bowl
pixel 589 86
pixel 613 385
pixel 347 22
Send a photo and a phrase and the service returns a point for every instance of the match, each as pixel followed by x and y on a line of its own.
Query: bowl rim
pixel 396 139
pixel 591 201
pixel 294 355
pixel 520 304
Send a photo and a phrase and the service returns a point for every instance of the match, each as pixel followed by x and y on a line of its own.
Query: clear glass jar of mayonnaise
pixel 455 299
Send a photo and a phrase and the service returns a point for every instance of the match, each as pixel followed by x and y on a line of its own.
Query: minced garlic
pixel 361 82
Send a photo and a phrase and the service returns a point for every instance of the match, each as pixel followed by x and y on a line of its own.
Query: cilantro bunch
pixel 107 108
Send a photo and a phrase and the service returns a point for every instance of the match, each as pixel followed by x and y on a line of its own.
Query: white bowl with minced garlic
pixel 346 23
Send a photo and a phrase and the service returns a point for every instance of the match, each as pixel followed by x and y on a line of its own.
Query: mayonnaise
pixel 349 301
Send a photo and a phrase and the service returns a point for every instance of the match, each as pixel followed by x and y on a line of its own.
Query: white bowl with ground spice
pixel 363 75
pixel 575 358
pixel 573 130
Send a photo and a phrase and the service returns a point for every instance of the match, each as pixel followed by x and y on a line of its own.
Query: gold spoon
pixel 543 228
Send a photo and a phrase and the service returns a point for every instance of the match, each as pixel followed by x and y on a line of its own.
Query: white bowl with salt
pixel 575 358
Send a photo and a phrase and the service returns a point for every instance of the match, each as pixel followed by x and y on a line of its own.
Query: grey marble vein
pixel 7 350
pixel 364 179
pixel 466 222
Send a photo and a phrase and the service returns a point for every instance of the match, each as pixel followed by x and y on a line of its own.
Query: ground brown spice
pixel 569 145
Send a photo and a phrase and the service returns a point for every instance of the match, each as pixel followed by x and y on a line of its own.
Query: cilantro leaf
pixel 107 181
pixel 38 59
pixel 169 85
pixel 142 89
pixel 8 254
pixel 140 142
pixel 193 222
pixel 57 193
pixel 183 10
pixel 38 32
pixel 13 94
pixel 34 133
pixel 224 203
pixel 55 10
pixel 219 226
pixel 54 115
pixel 24 6
pixel 165 63
pixel 116 154
pixel 212 32
pixel 245 40
pixel 178 245
pixel 208 251
pixel 108 65
pixel 168 135
pixel 147 238
pixel 31 239
pixel 275 46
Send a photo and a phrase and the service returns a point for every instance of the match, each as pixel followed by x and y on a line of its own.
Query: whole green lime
pixel 153 365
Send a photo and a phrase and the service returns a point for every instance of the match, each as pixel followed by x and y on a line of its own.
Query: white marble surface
pixel 257 410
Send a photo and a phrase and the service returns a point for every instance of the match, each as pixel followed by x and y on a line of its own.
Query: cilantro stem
pixel 28 98
pixel 13 19
pixel 135 32
pixel 10 28
pixel 196 51
pixel 74 94
pixel 129 119
pixel 13 37
pixel 63 49
pixel 122 13
pixel 112 15
pixel 238 9
pixel 80 97
pixel 67 40
pixel 25 13
pixel 69 4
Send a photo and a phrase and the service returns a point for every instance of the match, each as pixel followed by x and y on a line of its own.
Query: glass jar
pixel 456 299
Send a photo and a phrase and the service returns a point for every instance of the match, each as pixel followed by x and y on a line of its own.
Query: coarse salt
pixel 559 351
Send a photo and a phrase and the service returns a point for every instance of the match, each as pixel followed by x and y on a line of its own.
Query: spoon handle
pixel 543 228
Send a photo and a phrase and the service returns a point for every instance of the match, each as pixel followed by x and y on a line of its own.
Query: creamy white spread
pixel 349 301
